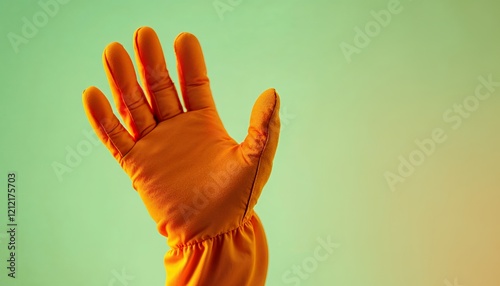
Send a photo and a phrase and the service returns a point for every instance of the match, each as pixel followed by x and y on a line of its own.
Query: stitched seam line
pixel 260 159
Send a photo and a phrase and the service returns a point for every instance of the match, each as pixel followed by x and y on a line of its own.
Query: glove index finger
pixel 105 124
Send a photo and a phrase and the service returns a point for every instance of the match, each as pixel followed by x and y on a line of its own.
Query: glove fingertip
pixel 264 128
pixel 265 113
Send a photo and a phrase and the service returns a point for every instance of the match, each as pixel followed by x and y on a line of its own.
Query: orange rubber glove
pixel 198 184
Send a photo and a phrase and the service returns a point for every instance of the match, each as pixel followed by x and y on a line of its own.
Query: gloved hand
pixel 198 184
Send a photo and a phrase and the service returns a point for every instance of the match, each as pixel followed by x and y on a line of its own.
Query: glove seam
pixel 260 158
pixel 195 243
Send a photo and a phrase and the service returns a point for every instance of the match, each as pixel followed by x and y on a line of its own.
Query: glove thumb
pixel 260 144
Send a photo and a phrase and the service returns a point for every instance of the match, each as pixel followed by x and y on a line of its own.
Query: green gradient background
pixel 346 125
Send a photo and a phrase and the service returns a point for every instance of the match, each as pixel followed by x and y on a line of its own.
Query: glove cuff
pixel 231 258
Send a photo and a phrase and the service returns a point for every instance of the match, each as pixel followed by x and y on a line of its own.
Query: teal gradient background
pixel 345 124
